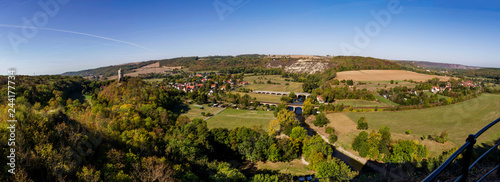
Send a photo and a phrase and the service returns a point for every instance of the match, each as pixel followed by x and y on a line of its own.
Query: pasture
pixel 279 86
pixel 458 120
pixel 232 118
pixel 386 75
pixel 195 112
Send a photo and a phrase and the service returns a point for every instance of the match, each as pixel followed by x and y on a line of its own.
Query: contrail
pixel 78 33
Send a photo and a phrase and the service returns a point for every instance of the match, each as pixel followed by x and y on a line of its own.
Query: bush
pixel 332 138
pixel 408 131
pixel 441 138
pixel 203 113
pixel 330 130
pixel 321 120
pixel 362 124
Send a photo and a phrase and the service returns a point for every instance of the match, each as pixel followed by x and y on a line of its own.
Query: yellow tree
pixel 274 127
pixel 308 107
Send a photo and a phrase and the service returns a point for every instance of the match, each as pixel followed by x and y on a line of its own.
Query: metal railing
pixel 468 147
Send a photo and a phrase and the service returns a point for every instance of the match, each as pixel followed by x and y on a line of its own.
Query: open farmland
pixel 232 118
pixel 385 75
pixel 152 68
pixel 279 86
pixel 458 120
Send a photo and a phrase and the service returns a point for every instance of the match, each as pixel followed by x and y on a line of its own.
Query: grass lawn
pixel 282 87
pixel 154 80
pixel 439 96
pixel 458 120
pixel 295 167
pixel 232 118
pixel 384 100
pixel 195 111
pixel 263 97
pixel 361 103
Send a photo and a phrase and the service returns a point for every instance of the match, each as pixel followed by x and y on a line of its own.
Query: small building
pixel 320 99
pixel 434 89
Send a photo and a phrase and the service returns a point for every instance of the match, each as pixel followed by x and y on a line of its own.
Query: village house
pixel 320 99
pixel 434 89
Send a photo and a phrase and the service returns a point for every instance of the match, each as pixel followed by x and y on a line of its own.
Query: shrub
pixel 441 138
pixel 332 138
pixel 330 130
pixel 408 131
pixel 362 124
pixel 203 113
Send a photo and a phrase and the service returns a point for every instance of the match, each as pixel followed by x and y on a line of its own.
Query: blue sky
pixel 70 35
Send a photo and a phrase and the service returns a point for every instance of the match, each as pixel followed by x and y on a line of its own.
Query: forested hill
pixel 108 70
pixel 251 63
pixel 433 65
pixel 493 73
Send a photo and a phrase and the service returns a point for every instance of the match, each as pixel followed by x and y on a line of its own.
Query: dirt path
pixel 215 114
pixel 304 160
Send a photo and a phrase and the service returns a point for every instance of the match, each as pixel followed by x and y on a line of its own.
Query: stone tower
pixel 120 75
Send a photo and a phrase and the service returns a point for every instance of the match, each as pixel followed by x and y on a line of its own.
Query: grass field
pixel 232 118
pixel 439 96
pixel 361 103
pixel 384 100
pixel 295 167
pixel 385 75
pixel 282 87
pixel 263 97
pixel 375 85
pixel 458 120
pixel 195 111
pixel 154 80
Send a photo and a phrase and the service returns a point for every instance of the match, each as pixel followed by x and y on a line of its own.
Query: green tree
pixel 330 130
pixel 334 170
pixel 265 178
pixel 362 124
pixel 298 132
pixel 332 138
pixel 385 142
pixel 293 96
pixel 321 120
pixel 89 175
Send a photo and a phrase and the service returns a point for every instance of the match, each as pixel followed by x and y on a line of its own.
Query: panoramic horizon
pixel 249 90
pixel 53 37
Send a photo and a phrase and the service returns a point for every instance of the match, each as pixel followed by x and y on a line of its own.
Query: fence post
pixel 467 157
